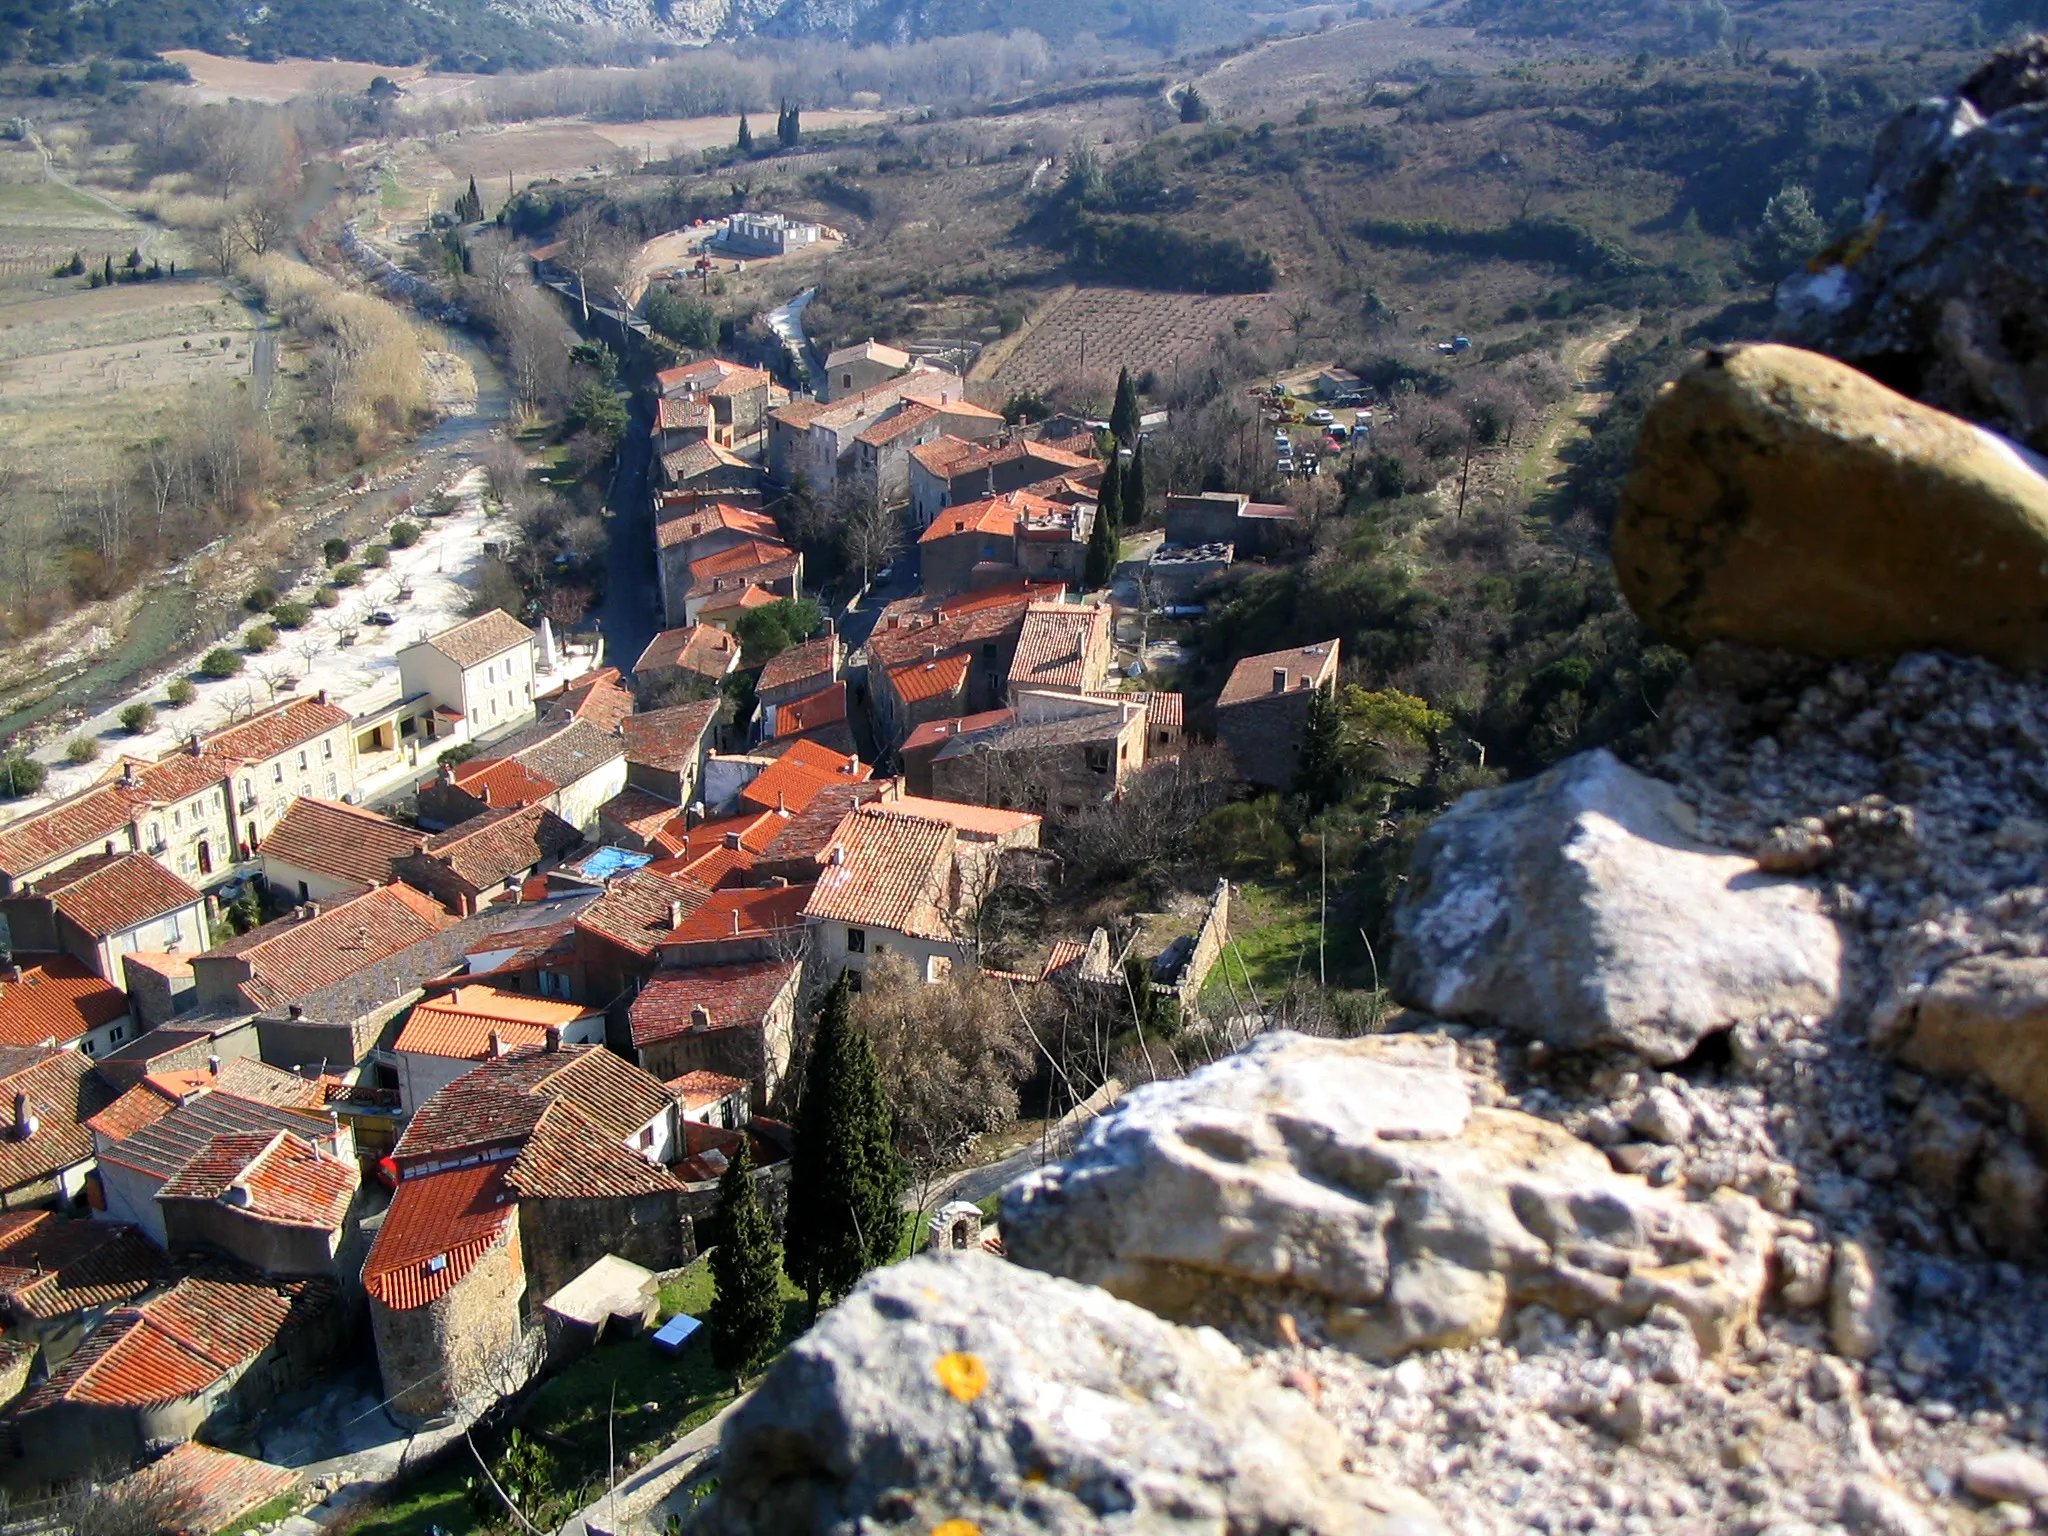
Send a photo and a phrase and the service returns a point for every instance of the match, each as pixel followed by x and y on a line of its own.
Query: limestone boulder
pixel 1784 500
pixel 1986 1013
pixel 1577 907
pixel 1357 1183
pixel 957 1392
pixel 1942 290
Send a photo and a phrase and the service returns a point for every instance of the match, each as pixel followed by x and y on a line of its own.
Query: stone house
pixel 665 748
pixel 1059 754
pixel 599 699
pixel 974 635
pixel 103 907
pixel 1263 710
pixel 861 366
pixel 739 1020
pixel 1061 648
pixel 278 963
pixel 814 439
pixel 63 1274
pixel 736 395
pixel 279 1202
pixel 954 469
pixel 697 528
pixel 569 766
pixel 448 1033
pixel 712 1098
pixel 489 856
pixel 617 935
pixel 471 679
pixel 797 673
pixel 101 819
pixel 705 467
pixel 58 1002
pixel 719 580
pixel 297 748
pixel 323 850
pixel 679 422
pixel 46 1151
pixel 1255 529
pixel 697 652
pixel 822 717
pixel 203 1358
pixel 914 757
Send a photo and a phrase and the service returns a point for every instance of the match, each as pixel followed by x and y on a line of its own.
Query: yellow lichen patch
pixel 956 1527
pixel 962 1375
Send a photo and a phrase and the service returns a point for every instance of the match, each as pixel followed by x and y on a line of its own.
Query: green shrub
pixel 220 662
pixel 260 638
pixel 21 775
pixel 334 551
pixel 137 719
pixel 376 557
pixel 325 597
pixel 81 749
pixel 461 752
pixel 404 534
pixel 291 615
pixel 180 693
pixel 345 576
pixel 260 598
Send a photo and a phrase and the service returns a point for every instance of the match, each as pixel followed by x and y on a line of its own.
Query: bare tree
pixel 222 243
pixel 869 533
pixel 264 222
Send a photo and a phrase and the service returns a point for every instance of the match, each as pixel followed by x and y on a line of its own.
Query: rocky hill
pixel 1701 1188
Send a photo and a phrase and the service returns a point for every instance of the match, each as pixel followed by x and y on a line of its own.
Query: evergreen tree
pixel 789 128
pixel 844 1176
pixel 1123 416
pixel 107 277
pixel 746 140
pixel 1109 501
pixel 746 1311
pixel 1319 776
pixel 1103 545
pixel 1131 498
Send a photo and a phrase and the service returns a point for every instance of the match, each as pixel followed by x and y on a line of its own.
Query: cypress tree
pixel 1131 498
pixel 108 276
pixel 746 1312
pixel 796 124
pixel 1123 416
pixel 1319 770
pixel 1103 546
pixel 1109 501
pixel 844 1176
pixel 746 140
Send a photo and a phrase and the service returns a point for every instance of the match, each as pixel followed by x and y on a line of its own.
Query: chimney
pixel 693 814
pixel 732 840
pixel 497 1045
pixel 780 808
pixel 554 1038
pixel 321 696
pixel 14 973
pixel 25 1122
pixel 1279 679
pixel 483 793
pixel 837 856
pixel 127 773
pixel 735 922
pixel 213 1066
pixel 193 745
pixel 776 882
pixel 700 1017
pixel 675 915
pixel 312 910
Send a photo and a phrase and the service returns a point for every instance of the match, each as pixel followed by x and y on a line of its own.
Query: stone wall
pixel 1207 949
pixel 464 1347
pixel 565 1237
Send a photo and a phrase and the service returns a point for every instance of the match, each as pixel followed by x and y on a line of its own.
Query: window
pixel 302 759
pixel 277 773
pixel 333 786
pixel 853 981
pixel 856 941
pixel 491 673
pixel 177 818
pixel 646 1137
pixel 175 926
pixel 304 894
pixel 1098 759
pixel 327 750
pixel 120 1032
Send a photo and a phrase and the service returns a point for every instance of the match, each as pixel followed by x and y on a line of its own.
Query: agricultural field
pixel 1161 333
pixel 215 78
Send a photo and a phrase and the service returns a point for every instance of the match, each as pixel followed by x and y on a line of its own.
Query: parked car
pixel 1285 464
pixel 1321 417
pixel 384 618
pixel 1335 435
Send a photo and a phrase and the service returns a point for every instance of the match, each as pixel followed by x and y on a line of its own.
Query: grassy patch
pixel 1273 933
pixel 27 200
pixel 390 194
pixel 282 1507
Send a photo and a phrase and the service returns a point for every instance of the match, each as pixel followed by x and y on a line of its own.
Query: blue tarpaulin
pixel 676 1332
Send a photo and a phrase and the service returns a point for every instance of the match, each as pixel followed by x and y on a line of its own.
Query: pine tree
pixel 107 277
pixel 746 1310
pixel 1131 498
pixel 1123 416
pixel 844 1176
pixel 746 140
pixel 1319 776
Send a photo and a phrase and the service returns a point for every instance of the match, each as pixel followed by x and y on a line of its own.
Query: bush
pixel 137 719
pixel 345 576
pixel 180 693
pixel 219 662
pixel 376 557
pixel 461 752
pixel 291 615
pixel 260 598
pixel 334 551
pixel 325 597
pixel 260 638
pixel 21 775
pixel 81 749
pixel 687 322
pixel 404 534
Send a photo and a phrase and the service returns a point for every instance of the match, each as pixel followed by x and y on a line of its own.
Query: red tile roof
pixel 297 955
pixel 729 994
pixel 800 775
pixel 503 783
pixel 491 848
pixel 697 1089
pixel 886 871
pixel 106 893
pixel 638 812
pixel 63 1092
pixel 87 818
pixel 995 516
pixel 748 831
pixel 460 1023
pixel 812 713
pixel 499 1102
pixel 195 1490
pixel 176 1346
pixel 475 641
pixel 746 556
pixel 276 729
pixel 1252 678
pixel 743 600
pixel 56 1001
pixel 695 459
pixel 247 1078
pixel 573 1156
pixel 437 1227
pixel 599 698
pixel 975 823
pixel 1056 644
pixel 942 453
pixel 675 412
pixel 803 837
pixel 975 619
pixel 699 648
pixel 921 680
pixel 913 415
pixel 741 913
pixel 817 657
pixel 700 520
pixel 715 869
pixel 711 376
pixel 136 1110
pixel 341 841
pixel 636 911
pixel 935 733
pixel 284 1179
pixel 166 1148
pixel 52 1266
pixel 1162 710
pixel 670 738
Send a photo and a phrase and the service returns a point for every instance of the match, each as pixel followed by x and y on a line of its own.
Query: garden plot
pixel 1103 329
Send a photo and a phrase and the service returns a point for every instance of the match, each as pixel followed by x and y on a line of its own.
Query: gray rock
pixel 1577 907
pixel 1662 1116
pixel 1985 1013
pixel 1354 1181
pixel 959 1388
pixel 1940 292
pixel 2007 1477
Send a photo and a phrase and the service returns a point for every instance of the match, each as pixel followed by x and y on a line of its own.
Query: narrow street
pixel 629 616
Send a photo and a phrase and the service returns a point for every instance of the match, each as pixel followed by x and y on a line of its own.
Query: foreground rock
pixel 1355 1182
pixel 1986 1013
pixel 1782 499
pixel 1941 292
pixel 959 1393
pixel 1578 908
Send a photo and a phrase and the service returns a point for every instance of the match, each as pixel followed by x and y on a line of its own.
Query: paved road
pixel 630 614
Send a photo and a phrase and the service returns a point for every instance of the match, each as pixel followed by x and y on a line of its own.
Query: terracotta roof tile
pixel 491 848
pixel 742 913
pixel 714 869
pixel 813 713
pixel 921 680
pixel 87 818
pixel 742 600
pixel 718 515
pixel 636 911
pixel 730 995
pixel 800 775
pixel 636 811
pixel 284 1179
pixel 974 823
pixel 460 1023
pixel 437 1227
pixel 698 648
pixel 257 1081
pixel 1163 711
pixel 166 1148
pixel 135 1110
pixel 500 1101
pixel 1252 678
pixel 748 831
pixel 747 556
pixel 674 413
pixel 560 751
pixel 993 516
pixel 670 738
pixel 180 775
pixel 294 956
pixel 503 783
pixel 341 841
pixel 52 1266
pixel 803 837
pixel 63 1092
pixel 942 453
pixel 599 699
pixel 195 1490
pixel 886 871
pixel 697 1089
pixel 694 459
pixel 934 733
pixel 913 415
pixel 475 641
pixel 57 1000
pixel 178 1345
pixel 1062 645
pixel 817 657
pixel 276 729
pixel 572 1156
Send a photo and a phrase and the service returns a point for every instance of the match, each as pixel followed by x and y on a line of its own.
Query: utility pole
pixel 1465 474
